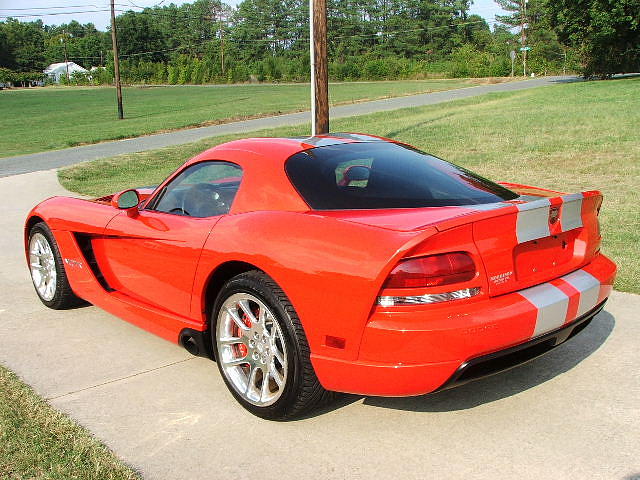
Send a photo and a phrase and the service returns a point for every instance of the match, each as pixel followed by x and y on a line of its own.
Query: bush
pixel 173 72
pixel 468 61
pixel 7 76
pixel 185 65
pixel 197 72
pixel 160 75
pixel 376 70
pixel 81 78
pixel 102 76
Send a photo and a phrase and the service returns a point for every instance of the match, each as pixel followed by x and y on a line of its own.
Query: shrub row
pixel 466 61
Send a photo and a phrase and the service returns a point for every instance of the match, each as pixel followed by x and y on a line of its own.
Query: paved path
pixel 573 414
pixel 59 158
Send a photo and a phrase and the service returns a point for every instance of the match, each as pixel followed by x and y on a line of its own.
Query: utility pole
pixel 66 57
pixel 523 35
pixel 319 70
pixel 116 60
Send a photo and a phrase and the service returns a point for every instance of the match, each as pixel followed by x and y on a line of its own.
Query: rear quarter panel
pixel 331 270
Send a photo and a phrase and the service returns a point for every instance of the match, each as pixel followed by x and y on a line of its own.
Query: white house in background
pixel 57 70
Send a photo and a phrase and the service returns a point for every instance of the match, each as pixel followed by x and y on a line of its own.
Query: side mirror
pixel 125 200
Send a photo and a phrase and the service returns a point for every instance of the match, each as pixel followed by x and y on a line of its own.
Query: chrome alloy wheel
pixel 43 266
pixel 251 349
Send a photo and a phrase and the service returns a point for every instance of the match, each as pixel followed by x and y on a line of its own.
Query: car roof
pixel 265 185
pixel 279 149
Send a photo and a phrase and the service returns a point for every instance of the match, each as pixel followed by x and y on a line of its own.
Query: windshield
pixel 385 175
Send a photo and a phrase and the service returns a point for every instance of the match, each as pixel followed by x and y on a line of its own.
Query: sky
pixel 56 12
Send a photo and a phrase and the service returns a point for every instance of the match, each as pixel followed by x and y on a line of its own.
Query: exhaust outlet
pixel 195 342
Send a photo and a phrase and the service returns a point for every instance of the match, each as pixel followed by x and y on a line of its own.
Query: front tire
pixel 261 349
pixel 47 270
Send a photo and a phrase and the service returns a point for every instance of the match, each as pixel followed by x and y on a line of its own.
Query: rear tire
pixel 261 349
pixel 47 270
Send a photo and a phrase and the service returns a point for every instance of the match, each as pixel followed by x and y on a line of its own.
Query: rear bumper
pixel 504 360
pixel 416 350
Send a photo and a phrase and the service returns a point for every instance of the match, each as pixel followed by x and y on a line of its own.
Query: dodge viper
pixel 336 263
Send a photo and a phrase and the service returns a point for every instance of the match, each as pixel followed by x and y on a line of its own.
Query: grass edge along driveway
pixel 42 119
pixel 36 441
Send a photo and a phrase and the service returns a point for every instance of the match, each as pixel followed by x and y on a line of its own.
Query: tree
pixel 606 33
pixel 24 45
pixel 139 33
pixel 546 52
pixel 6 55
pixel 209 41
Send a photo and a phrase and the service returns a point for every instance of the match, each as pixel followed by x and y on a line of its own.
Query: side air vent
pixel 84 241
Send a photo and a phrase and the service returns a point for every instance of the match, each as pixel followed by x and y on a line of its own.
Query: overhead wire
pixel 240 41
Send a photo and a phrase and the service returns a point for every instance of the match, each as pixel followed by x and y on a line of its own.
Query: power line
pixel 238 41
pixel 301 40
pixel 40 15
pixel 63 6
pixel 52 8
pixel 174 15
pixel 393 32
pixel 152 6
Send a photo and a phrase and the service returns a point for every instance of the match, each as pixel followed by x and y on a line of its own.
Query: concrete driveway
pixel 574 414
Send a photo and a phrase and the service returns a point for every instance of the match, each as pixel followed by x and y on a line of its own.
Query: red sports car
pixel 344 262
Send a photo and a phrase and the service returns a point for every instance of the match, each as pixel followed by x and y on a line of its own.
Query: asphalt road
pixel 573 414
pixel 69 156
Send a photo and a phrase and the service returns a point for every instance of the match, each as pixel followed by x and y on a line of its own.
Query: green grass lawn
pixel 40 119
pixel 567 137
pixel 38 442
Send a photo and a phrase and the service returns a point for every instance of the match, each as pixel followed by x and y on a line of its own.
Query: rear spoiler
pixel 538 217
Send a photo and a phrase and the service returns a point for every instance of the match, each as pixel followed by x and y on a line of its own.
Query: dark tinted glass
pixel 205 189
pixel 385 175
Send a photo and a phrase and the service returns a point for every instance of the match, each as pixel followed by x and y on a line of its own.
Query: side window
pixel 202 190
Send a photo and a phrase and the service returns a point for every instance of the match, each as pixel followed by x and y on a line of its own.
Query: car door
pixel 152 255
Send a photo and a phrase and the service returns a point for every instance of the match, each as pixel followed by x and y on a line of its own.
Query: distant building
pixel 57 70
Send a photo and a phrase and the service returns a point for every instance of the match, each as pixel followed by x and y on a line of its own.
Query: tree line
pixel 208 41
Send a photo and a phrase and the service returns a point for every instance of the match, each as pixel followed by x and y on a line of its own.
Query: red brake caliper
pixel 241 347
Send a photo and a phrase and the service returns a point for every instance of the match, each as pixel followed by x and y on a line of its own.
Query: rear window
pixel 385 175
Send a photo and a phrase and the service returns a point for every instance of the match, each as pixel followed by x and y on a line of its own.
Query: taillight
pixel 432 271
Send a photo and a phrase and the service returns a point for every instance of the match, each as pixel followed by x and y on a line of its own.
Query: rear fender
pixel 331 270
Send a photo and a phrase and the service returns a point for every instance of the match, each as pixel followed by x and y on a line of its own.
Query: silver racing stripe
pixel 552 304
pixel 533 220
pixel 588 286
pixel 533 217
pixel 571 216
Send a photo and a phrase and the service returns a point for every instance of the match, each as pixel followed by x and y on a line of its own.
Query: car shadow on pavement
pixel 511 382
pixel 501 385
